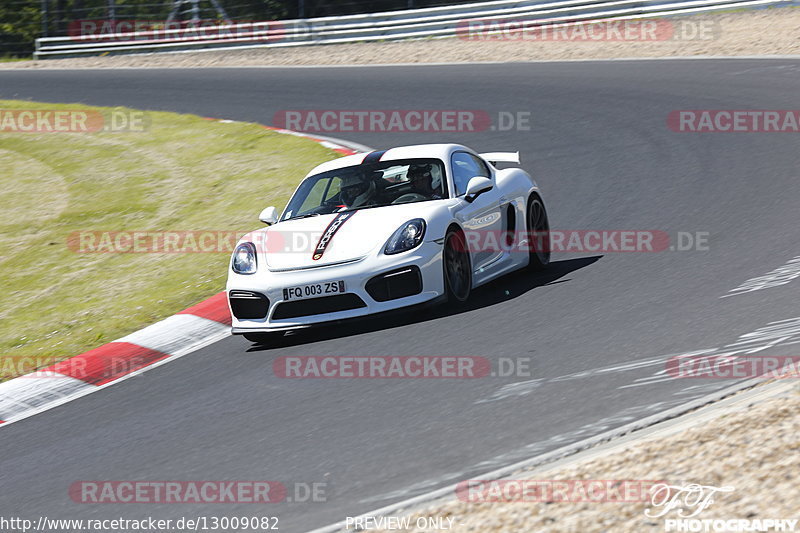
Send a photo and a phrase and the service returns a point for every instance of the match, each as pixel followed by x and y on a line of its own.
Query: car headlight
pixel 244 259
pixel 407 236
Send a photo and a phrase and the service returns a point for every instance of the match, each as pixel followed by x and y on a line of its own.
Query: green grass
pixel 181 173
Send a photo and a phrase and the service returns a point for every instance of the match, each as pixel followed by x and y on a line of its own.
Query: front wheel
pixel 539 233
pixel 457 267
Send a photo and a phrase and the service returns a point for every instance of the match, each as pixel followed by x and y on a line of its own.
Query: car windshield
pixel 368 185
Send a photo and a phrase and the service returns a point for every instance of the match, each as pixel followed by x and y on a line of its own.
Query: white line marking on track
pixel 779 333
pixel 438 64
pixel 775 278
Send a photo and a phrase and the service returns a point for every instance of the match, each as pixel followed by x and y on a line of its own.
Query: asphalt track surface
pixel 599 146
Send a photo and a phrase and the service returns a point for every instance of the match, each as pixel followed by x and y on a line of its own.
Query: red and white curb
pixel 196 327
pixel 337 145
pixel 173 337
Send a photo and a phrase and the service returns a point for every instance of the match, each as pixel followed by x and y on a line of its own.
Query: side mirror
pixel 477 186
pixel 269 216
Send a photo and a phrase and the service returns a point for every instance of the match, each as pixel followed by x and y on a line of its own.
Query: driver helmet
pixel 420 175
pixel 356 192
pixel 427 178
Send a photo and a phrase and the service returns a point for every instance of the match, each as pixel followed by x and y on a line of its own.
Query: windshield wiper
pixel 307 215
pixel 362 207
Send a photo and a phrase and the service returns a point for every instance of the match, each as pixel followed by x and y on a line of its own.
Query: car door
pixel 482 219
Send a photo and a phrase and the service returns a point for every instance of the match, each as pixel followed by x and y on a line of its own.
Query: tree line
pixel 22 21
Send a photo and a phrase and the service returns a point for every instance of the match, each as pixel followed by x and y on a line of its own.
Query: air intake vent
pixel 246 305
pixel 317 306
pixel 406 281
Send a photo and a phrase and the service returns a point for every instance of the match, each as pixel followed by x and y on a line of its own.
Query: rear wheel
pixel 539 232
pixel 457 267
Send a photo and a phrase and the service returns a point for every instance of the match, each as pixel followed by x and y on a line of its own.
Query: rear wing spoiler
pixel 501 157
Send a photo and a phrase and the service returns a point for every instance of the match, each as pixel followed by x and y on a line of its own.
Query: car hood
pixel 293 244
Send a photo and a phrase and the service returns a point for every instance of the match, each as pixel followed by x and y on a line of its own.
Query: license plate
pixel 313 290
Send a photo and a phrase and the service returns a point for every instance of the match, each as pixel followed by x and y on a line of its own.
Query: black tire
pixel 539 232
pixel 457 267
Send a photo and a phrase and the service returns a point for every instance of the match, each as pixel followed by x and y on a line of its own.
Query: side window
pixel 465 167
pixel 483 169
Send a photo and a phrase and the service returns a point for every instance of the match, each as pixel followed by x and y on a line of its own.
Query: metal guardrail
pixel 435 22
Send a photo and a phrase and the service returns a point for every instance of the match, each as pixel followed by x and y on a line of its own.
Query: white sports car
pixel 373 232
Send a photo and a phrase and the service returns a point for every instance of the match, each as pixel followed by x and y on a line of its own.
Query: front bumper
pixel 427 258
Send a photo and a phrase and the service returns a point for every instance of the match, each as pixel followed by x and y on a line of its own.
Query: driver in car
pixel 357 192
pixel 422 181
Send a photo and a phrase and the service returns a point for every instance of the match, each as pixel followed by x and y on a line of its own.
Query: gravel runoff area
pixel 774 31
pixel 752 450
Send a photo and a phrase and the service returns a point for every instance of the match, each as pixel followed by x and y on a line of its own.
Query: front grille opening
pixel 317 306
pixel 406 281
pixel 247 305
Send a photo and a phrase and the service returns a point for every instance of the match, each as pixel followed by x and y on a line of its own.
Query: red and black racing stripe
pixel 373 157
pixel 341 218
pixel 329 232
